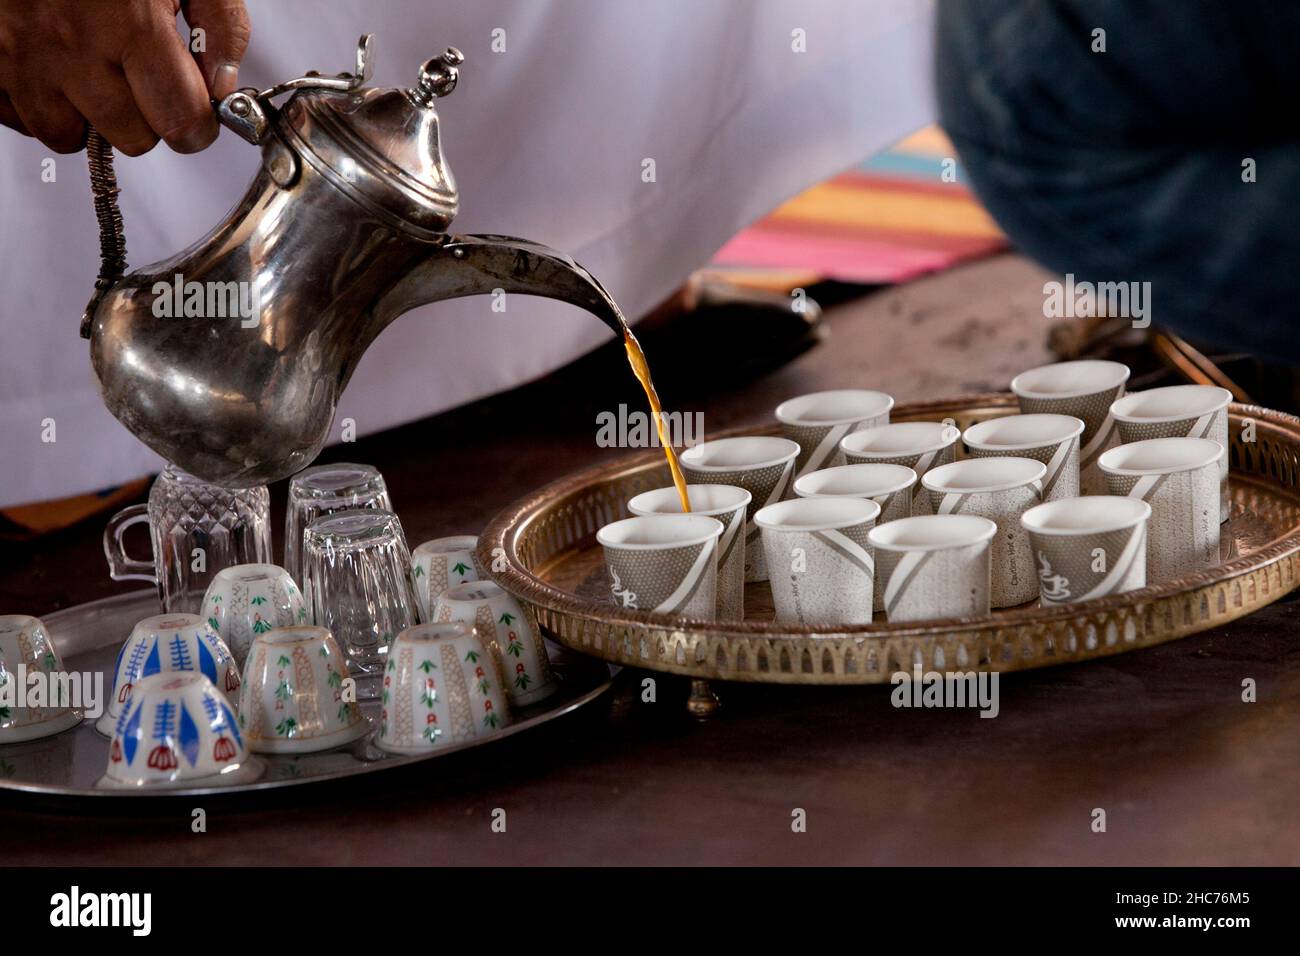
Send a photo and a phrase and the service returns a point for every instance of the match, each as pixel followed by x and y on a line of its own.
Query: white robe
pixel 547 140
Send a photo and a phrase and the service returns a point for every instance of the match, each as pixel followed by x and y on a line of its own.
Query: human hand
pixel 119 65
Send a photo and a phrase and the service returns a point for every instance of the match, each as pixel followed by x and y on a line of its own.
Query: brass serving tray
pixel 550 560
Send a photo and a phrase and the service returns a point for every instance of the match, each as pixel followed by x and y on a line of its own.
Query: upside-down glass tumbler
pixel 324 490
pixel 358 583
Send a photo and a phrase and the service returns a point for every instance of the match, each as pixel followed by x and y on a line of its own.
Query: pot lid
pixel 382 145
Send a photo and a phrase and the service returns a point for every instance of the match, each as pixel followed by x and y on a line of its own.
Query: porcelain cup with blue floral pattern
pixel 169 642
pixel 177 730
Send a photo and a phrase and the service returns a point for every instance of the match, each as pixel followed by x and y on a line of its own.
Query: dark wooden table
pixel 1186 772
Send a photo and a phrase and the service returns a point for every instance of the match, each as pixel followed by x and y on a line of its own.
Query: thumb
pixel 219 32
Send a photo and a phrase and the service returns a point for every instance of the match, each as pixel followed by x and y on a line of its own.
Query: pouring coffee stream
pixel 342 229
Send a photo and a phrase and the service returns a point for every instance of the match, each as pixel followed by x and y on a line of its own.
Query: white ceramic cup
pixel 1088 548
pixel 1178 411
pixel 441 563
pixel 292 700
pixel 667 564
pixel 818 421
pixel 819 559
pixel 441 688
pixel 916 445
pixel 1085 389
pixel 246 600
pixel 761 464
pixel 1049 438
pixel 511 634
pixel 1000 489
pixel 727 503
pixel 934 566
pixel 1179 478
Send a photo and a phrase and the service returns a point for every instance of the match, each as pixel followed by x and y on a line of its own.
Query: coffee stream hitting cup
pixel 343 228
pixel 641 369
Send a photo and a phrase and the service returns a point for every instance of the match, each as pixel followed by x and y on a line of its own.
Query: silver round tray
pixel 88 636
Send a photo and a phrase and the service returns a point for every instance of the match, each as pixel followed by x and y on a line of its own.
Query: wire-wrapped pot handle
pixel 112 236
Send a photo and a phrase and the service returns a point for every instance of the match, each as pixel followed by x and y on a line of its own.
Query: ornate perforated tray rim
pixel 532 533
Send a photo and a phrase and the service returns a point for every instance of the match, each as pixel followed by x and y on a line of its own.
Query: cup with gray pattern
pixel 889 486
pixel 1179 478
pixel 664 563
pixel 761 464
pixel 1084 389
pixel 1088 548
pixel 820 420
pixel 1051 439
pixel 819 559
pixel 727 503
pixel 934 566
pixel 1000 489
pixel 916 445
pixel 1179 411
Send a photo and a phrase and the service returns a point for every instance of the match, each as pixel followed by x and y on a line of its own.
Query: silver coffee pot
pixel 343 228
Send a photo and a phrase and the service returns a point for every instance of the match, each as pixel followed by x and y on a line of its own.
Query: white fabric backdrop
pixel 546 141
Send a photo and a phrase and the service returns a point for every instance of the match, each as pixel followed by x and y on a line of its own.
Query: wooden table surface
pixel 1186 772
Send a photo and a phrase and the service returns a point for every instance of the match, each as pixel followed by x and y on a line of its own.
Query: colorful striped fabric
pixel 891 219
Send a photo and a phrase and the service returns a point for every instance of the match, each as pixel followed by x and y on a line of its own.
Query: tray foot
pixel 703 702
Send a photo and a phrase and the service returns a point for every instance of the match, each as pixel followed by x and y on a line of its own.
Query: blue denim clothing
pixel 1127 165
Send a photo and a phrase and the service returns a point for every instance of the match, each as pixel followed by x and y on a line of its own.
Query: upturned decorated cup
pixel 438 564
pixel 246 600
pixel 293 700
pixel 510 633
pixel 26 650
pixel 169 642
pixel 441 688
pixel 177 730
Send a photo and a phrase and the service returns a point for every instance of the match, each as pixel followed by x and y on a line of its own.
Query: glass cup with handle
pixel 196 529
